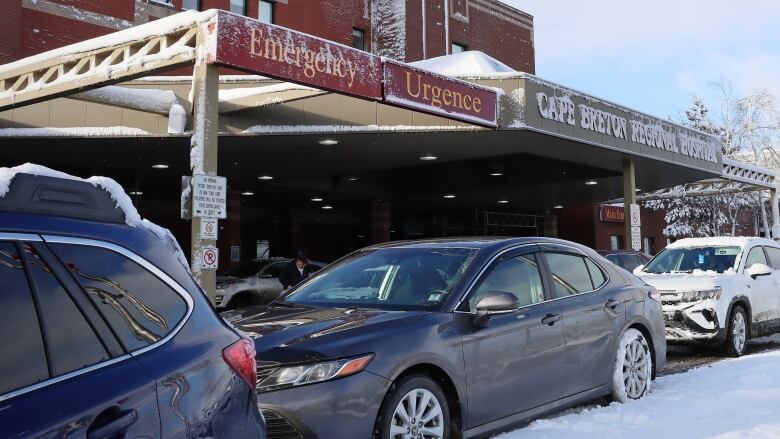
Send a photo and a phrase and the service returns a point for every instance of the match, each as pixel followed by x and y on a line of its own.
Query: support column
pixel 380 222
pixel 629 198
pixel 203 157
pixel 775 209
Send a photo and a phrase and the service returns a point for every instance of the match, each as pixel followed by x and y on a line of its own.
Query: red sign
pixel 428 92
pixel 612 214
pixel 256 47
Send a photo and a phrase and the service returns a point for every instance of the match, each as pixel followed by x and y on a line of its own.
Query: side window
pixel 596 274
pixel 140 307
pixel 629 262
pixel 518 275
pixel 615 259
pixel 774 256
pixel 22 355
pixel 570 274
pixel 72 343
pixel 755 256
pixel 274 270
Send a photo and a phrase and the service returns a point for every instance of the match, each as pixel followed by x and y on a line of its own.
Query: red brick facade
pixel 34 26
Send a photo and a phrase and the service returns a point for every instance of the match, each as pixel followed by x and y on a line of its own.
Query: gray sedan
pixel 452 338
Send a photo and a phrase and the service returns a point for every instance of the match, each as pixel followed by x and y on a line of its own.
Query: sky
pixel 653 56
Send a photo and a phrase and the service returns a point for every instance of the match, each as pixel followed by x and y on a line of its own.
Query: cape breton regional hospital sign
pixel 256 47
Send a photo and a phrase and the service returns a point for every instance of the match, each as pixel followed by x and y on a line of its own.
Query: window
pixel 614 242
pixel 629 261
pixel 72 343
pixel 238 7
pixel 265 11
pixel 687 260
pixel 359 39
pixel 615 259
pixel 774 256
pixel 458 48
pixel 138 306
pixel 756 256
pixel 190 4
pixel 519 276
pixel 596 274
pixel 275 270
pixel 22 356
pixel 570 274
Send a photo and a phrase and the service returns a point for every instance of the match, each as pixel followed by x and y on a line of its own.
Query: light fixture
pixel 449 196
pixel 136 193
pixel 160 166
pixel 247 193
pixel 327 207
pixel 637 190
pixel 591 182
pixel 558 206
pixel 353 178
pixel 328 142
pixel 496 174
pixel 317 199
pixel 503 201
pixel 428 157
pixel 361 236
pixel 265 178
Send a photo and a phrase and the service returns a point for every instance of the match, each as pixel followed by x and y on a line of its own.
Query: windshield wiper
pixel 286 304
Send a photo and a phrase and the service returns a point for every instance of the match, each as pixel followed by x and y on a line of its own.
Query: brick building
pixel 408 30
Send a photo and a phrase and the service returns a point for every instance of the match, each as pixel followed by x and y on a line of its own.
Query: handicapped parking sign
pixel 209 258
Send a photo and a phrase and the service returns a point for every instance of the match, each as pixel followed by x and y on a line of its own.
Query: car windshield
pixel 686 260
pixel 247 268
pixel 389 278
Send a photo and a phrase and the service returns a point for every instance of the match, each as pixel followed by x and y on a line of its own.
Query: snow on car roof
pixel 737 241
pixel 114 189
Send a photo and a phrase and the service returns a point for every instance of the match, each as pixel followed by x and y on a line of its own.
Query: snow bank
pixel 73 132
pixel 114 189
pixel 737 398
pixel 468 63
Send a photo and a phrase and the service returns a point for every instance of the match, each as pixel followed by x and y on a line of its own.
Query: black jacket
pixel 291 277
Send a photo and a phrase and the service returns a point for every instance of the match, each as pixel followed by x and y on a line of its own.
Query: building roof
pixel 469 63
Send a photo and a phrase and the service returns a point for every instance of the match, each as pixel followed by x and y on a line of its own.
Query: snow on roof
pixel 73 132
pixel 468 63
pixel 114 189
pixel 237 93
pixel 736 241
pixel 154 100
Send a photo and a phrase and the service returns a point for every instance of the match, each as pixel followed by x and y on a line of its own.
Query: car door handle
pixel 550 319
pixel 114 427
pixel 612 303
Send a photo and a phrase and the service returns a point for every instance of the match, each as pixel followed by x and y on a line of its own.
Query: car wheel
pixel 415 408
pixel 633 367
pixel 736 340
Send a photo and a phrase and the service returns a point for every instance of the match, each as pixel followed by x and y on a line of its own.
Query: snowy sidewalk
pixel 732 399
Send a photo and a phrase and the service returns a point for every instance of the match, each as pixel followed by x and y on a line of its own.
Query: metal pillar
pixel 629 198
pixel 773 200
pixel 203 157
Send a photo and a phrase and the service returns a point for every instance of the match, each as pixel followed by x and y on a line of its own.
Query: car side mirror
pixel 495 302
pixel 638 269
pixel 759 269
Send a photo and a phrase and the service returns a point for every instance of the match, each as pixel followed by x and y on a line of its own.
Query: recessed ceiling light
pixel 392 231
pixel 503 201
pixel 361 236
pixel 496 174
pixel 136 193
pixel 428 157
pixel 328 142
pixel 317 199
pixel 449 196
pixel 160 166
pixel 247 193
pixel 558 207
pixel 327 207
pixel 591 182
pixel 353 178
pixel 265 177
pixel 638 190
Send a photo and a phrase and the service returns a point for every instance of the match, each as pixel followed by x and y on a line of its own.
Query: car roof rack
pixel 60 197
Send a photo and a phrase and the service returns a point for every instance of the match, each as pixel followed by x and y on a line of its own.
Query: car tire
pixel 397 412
pixel 737 336
pixel 633 367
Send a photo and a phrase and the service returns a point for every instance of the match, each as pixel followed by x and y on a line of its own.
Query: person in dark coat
pixel 296 271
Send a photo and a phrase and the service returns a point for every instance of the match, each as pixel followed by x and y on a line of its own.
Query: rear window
pixel 140 307
pixel 570 274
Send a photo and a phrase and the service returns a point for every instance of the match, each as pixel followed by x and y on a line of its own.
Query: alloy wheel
pixel 636 368
pixel 739 332
pixel 418 415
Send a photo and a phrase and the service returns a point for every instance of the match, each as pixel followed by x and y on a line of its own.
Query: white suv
pixel 717 290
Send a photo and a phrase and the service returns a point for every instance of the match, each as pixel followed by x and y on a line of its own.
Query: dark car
pixel 105 333
pixel 424 339
pixel 626 259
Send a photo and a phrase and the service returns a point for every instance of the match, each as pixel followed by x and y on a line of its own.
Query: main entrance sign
pixel 257 47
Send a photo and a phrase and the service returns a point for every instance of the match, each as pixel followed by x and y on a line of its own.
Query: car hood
pixel 687 281
pixel 288 335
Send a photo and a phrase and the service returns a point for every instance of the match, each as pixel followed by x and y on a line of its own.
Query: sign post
pixel 629 205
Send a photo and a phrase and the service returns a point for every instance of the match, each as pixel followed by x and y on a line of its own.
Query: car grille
pixel 278 427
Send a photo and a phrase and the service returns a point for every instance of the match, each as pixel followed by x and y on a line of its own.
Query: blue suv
pixel 105 333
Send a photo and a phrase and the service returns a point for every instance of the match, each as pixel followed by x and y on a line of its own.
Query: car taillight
pixel 654 294
pixel 240 356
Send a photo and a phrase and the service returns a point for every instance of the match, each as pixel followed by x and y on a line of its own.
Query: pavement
pixel 681 358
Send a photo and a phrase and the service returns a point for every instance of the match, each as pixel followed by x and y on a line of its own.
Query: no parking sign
pixel 209 258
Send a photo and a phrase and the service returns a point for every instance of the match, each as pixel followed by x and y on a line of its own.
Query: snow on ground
pixel 731 399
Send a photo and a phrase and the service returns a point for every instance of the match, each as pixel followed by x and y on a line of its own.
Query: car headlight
pixel 313 373
pixel 698 296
